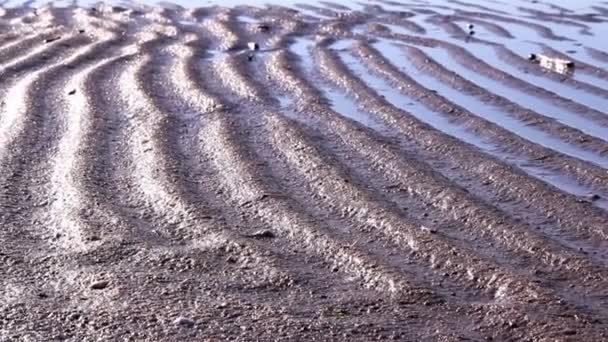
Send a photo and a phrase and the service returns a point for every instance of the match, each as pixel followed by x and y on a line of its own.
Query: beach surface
pixel 346 171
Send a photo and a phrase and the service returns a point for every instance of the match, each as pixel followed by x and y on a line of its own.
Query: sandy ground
pixel 376 171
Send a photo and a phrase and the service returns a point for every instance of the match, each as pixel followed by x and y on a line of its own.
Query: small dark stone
pixel 264 27
pixel 118 9
pixel 471 26
pixel 81 31
pixel 532 57
pixel 594 197
pixel 72 92
pixel 100 285
pixel 184 321
pixel 250 58
pixel 428 230
pixel 471 32
pixel 263 234
pixel 50 40
pixel 231 259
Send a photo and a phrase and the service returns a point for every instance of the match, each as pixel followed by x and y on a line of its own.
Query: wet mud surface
pixel 363 171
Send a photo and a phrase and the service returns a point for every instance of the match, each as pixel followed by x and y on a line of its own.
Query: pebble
pixel 50 40
pixel 263 234
pixel 253 46
pixel 184 321
pixel 428 230
pixel 471 26
pixel 589 198
pixel 100 284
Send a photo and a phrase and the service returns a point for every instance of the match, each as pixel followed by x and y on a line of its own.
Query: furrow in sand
pixel 540 29
pixel 477 6
pixel 105 167
pixel 546 17
pixel 19 47
pixel 597 55
pixel 484 25
pixel 9 38
pixel 231 72
pixel 40 56
pixel 398 19
pixel 227 39
pixel 586 166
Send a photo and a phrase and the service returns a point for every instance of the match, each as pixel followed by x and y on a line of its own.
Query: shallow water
pixel 522 48
pixel 459 131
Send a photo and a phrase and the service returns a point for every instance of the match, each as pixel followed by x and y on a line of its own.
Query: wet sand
pixel 373 171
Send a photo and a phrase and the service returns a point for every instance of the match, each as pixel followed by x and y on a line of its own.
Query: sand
pixel 374 171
